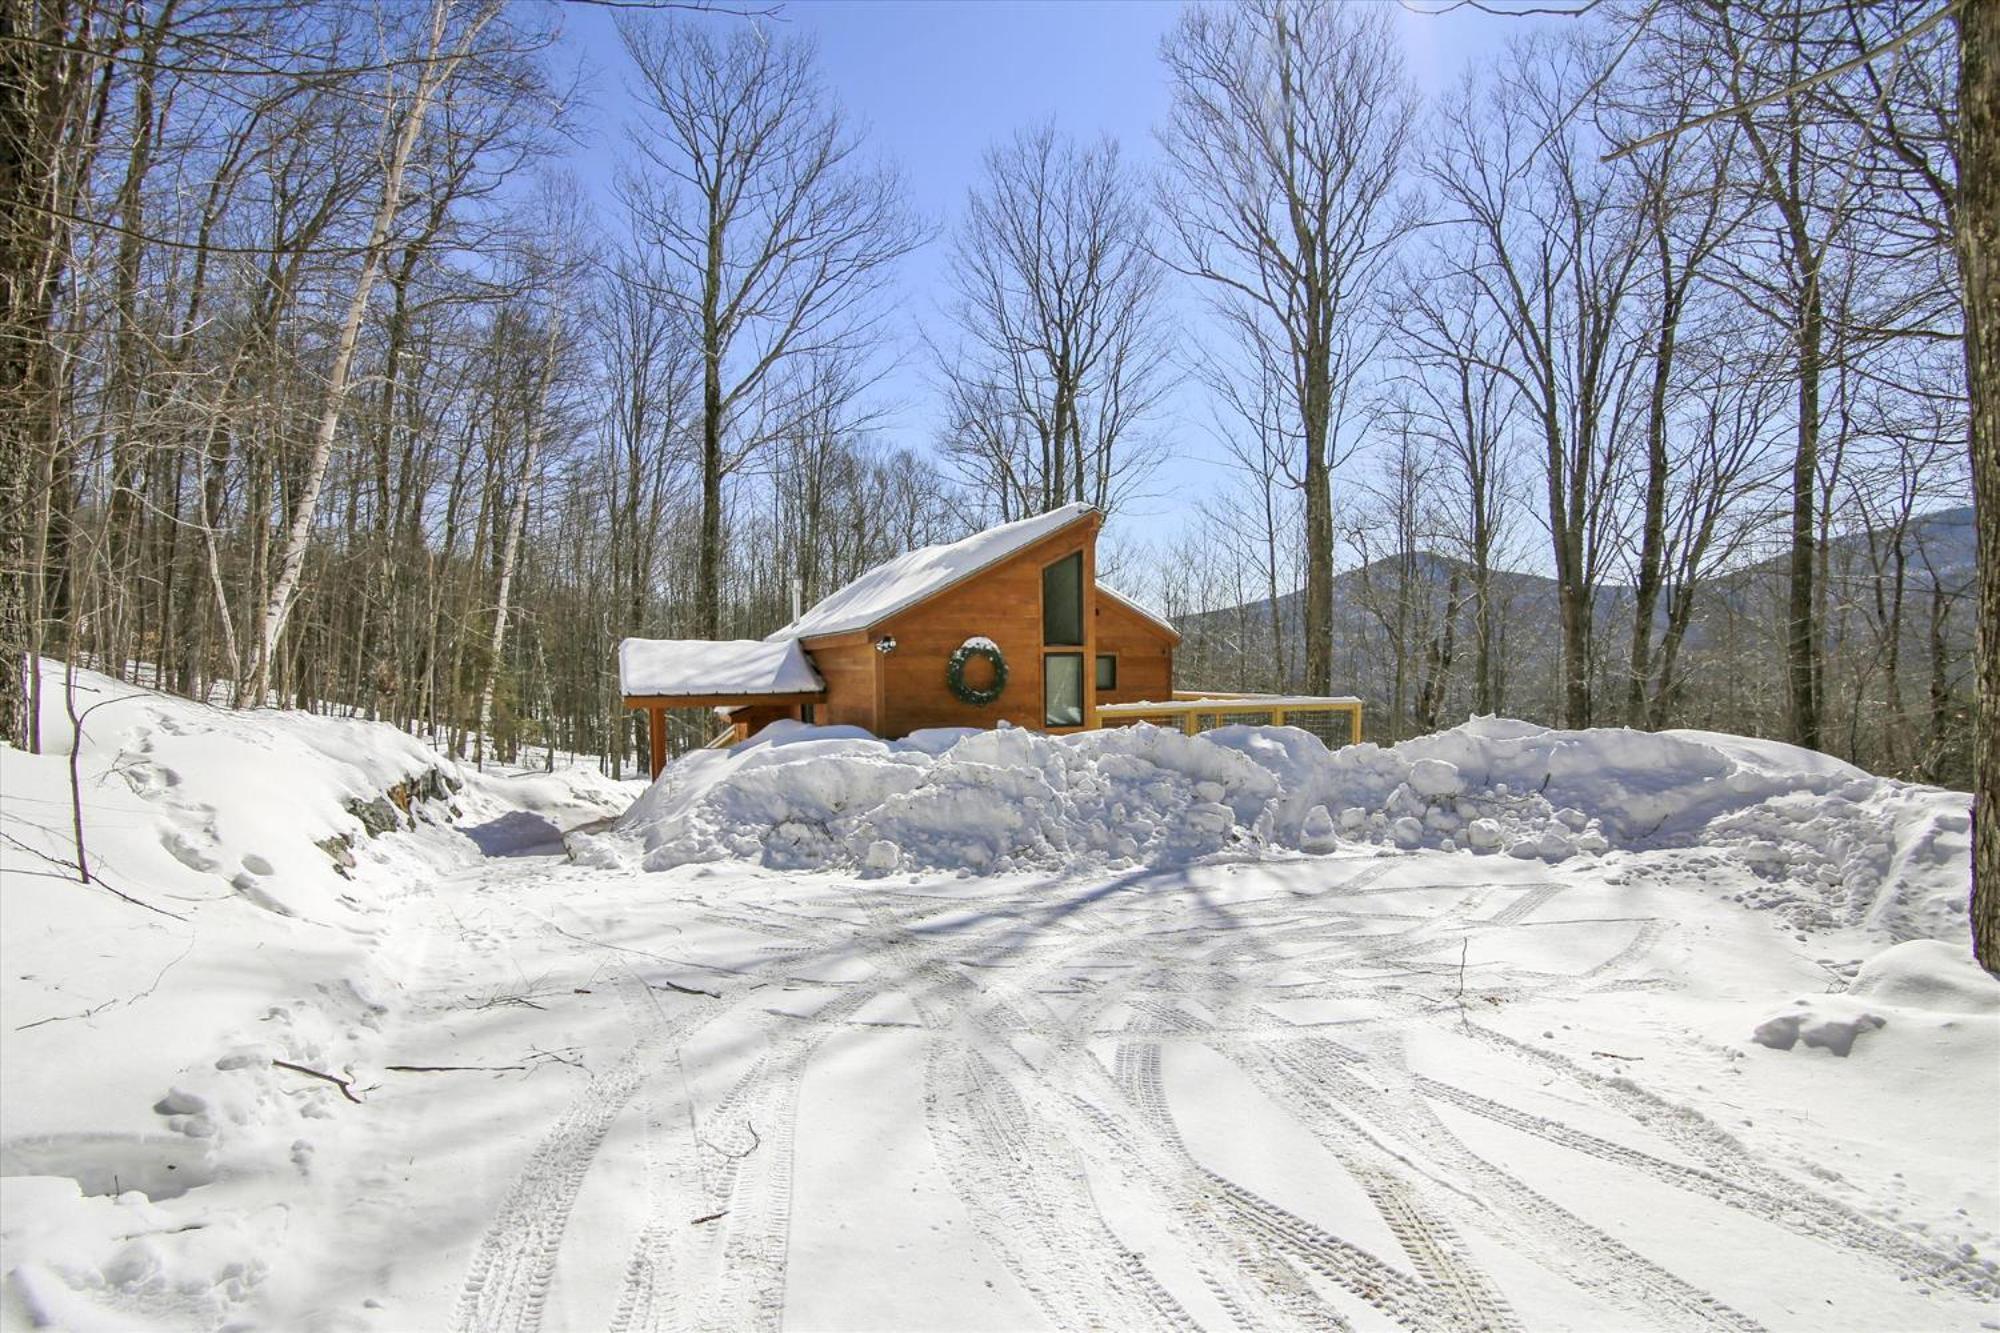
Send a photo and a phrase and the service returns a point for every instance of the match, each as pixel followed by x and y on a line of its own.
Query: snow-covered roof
pixel 1138 609
pixel 908 579
pixel 705 667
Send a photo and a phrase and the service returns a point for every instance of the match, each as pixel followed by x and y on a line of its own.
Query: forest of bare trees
pixel 1624 382
pixel 1662 417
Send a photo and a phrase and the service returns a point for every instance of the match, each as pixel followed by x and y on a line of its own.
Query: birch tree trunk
pixel 435 70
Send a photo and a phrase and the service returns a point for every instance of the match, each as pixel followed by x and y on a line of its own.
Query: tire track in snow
pixel 1550 1234
pixel 1029 1199
pixel 651 1269
pixel 1017 1168
pixel 1534 899
pixel 709 1159
pixel 1769 1194
pixel 1427 1238
pixel 1398 1295
pixel 507 1281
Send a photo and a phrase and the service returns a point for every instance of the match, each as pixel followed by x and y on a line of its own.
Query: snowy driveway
pixel 1369 1091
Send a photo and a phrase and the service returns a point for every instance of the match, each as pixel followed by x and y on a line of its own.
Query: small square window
pixel 1107 671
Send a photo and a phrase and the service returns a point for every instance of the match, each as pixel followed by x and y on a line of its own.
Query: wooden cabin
pixel 913 643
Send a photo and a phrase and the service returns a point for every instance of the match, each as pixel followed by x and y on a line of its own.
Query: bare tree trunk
pixel 1652 545
pixel 1978 237
pixel 46 55
pixel 517 517
pixel 1802 667
pixel 434 71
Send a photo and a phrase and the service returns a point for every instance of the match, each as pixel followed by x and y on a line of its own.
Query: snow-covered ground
pixel 1501 1028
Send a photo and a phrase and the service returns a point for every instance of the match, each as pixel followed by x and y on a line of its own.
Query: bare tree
pixel 1290 125
pixel 54 64
pixel 1057 298
pixel 443 50
pixel 777 238
pixel 530 362
pixel 1555 258
pixel 1463 405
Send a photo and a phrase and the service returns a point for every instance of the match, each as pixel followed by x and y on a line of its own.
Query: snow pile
pixel 264 857
pixel 800 797
pixel 1822 841
pixel 1918 982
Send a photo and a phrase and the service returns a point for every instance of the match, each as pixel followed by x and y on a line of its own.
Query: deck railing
pixel 1197 710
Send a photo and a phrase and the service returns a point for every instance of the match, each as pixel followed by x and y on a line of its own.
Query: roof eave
pixel 1093 517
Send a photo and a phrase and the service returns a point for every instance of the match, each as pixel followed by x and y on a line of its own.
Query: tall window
pixel 1062 601
pixel 1062 690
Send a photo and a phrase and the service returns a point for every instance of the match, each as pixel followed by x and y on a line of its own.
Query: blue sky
pixel 936 83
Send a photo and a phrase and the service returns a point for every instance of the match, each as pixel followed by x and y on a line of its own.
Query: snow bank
pixel 1923 984
pixel 1824 842
pixel 271 851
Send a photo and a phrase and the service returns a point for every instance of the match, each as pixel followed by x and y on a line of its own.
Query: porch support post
pixel 656 730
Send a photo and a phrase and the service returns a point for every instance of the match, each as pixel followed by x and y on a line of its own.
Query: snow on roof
pixel 909 579
pixel 1138 609
pixel 715 667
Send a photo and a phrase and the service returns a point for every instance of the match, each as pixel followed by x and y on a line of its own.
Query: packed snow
pixel 724 666
pixel 908 579
pixel 1504 1028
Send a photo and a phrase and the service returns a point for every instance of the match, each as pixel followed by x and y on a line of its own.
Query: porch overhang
pixel 659 674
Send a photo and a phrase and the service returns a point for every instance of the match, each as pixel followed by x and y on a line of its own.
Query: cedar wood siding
pixel 1002 602
pixel 1145 654
pixel 852 670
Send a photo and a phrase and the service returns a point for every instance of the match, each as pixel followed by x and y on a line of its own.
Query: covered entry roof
pixel 704 669
pixel 908 579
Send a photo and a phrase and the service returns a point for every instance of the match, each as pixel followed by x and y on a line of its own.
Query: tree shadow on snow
pixel 516 833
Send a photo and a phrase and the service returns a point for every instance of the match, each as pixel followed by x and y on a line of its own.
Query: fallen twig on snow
pixel 520 1000
pixel 710 1218
pixel 346 1085
pixel 89 876
pixel 64 1018
pixel 664 984
pixel 1613 1055
pixel 451 1069
pixel 572 1060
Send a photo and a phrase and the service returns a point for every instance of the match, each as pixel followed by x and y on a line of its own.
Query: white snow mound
pixel 1822 842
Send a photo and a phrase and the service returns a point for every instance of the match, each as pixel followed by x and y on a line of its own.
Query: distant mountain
pixel 1946 536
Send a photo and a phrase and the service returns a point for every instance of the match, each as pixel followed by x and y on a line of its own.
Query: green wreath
pixel 954 673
